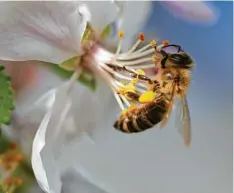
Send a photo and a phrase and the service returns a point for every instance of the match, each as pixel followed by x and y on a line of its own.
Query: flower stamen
pixel 121 35
pixel 141 39
pixel 125 73
pixel 118 99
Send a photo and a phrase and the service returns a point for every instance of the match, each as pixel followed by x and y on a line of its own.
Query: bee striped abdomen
pixel 142 118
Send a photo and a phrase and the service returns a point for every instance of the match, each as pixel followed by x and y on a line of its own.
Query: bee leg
pixel 155 87
pixel 143 78
pixel 132 96
pixel 134 74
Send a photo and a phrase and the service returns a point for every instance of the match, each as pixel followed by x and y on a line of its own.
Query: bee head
pixel 181 60
pixel 174 56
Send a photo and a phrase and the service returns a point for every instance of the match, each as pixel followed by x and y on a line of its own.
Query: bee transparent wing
pixel 168 113
pixel 183 123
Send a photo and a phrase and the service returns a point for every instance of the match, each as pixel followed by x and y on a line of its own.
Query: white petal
pixel 133 17
pixel 80 181
pixel 34 114
pixel 51 139
pixel 37 147
pixel 102 13
pixel 40 155
pixel 46 31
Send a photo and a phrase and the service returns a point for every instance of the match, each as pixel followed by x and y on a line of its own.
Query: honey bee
pixel 172 81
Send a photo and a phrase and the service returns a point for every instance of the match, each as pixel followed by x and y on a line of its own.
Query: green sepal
pixel 86 78
pixel 6 98
pixel 70 64
pixel 67 68
pixel 106 32
pixel 88 33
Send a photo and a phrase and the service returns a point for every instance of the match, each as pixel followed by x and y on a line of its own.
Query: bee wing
pixel 167 115
pixel 183 122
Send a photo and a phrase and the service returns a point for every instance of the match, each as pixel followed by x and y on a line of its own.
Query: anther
pixel 140 72
pixel 121 33
pixel 134 81
pixel 153 43
pixel 124 111
pixel 8 181
pixel 165 43
pixel 18 181
pixel 12 146
pixel 141 36
pixel 18 157
pixel 120 91
pixel 154 58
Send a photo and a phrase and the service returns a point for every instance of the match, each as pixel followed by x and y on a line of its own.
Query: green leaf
pixel 6 98
pixel 87 77
pixel 1 189
pixel 4 144
pixel 25 172
pixel 106 32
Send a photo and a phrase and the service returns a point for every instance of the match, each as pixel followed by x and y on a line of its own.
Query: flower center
pixel 124 72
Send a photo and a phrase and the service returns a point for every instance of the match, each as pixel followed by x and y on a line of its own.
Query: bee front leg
pixel 132 96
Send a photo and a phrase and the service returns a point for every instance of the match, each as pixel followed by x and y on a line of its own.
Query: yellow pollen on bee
pixel 141 36
pixel 121 33
pixel 153 43
pixel 140 72
pixel 147 96
pixel 154 58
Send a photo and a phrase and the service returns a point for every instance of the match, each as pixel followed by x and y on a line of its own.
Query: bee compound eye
pixel 177 58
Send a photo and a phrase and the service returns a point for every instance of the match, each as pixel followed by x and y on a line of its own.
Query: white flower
pixel 51 32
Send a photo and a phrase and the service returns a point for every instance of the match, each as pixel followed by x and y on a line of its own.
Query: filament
pixel 119 100
pixel 117 67
pixel 136 55
pixel 125 100
pixel 120 34
pixel 134 62
pixel 144 66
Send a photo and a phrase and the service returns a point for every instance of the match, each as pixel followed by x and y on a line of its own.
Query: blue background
pixel 210 46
